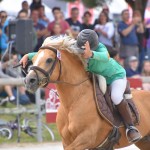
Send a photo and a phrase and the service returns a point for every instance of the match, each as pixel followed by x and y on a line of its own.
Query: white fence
pixel 18 110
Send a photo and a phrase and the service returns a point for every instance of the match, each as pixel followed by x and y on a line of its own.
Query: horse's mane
pixel 62 42
pixel 66 43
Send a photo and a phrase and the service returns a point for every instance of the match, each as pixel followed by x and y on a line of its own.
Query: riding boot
pixel 132 133
pixel 127 93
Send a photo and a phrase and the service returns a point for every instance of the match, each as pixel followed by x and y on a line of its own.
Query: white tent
pixel 116 6
pixel 12 7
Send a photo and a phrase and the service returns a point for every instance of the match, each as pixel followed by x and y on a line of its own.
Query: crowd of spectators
pixel 130 46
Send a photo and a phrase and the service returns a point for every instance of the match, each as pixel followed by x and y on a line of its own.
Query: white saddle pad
pixel 102 83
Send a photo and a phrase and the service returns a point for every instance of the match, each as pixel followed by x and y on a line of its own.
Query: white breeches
pixel 117 90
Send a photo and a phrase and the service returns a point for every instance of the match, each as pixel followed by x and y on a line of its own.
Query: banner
pixel 52 103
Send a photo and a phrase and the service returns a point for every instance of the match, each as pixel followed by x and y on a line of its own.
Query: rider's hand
pixel 24 60
pixel 87 52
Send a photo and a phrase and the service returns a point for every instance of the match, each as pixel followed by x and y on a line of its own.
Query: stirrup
pixel 136 139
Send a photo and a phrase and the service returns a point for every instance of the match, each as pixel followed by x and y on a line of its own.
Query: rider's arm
pixel 31 55
pixel 101 54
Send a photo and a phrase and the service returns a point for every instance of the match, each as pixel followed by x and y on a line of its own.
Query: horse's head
pixel 45 67
pixel 46 64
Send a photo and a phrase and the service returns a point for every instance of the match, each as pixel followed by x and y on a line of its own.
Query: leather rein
pixel 46 79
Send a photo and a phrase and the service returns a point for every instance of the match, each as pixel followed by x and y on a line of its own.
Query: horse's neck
pixel 72 68
pixel 72 72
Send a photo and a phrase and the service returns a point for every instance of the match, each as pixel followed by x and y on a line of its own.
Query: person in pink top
pixel 58 18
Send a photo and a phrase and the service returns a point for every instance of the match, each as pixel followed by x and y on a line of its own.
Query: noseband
pixel 46 79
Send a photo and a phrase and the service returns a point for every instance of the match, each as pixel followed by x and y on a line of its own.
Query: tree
pixel 135 4
pixel 91 3
pixel 138 5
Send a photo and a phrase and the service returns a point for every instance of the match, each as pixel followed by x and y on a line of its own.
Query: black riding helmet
pixel 87 35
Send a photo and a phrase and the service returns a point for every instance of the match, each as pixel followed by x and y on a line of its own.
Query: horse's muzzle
pixel 31 83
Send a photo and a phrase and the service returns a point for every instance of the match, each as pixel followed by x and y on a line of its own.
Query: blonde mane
pixel 66 43
pixel 62 42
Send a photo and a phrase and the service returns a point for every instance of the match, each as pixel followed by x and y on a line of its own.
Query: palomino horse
pixel 78 121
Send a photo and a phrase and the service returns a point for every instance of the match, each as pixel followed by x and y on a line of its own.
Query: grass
pixel 25 138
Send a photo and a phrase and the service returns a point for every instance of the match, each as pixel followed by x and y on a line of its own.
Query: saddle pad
pixel 106 108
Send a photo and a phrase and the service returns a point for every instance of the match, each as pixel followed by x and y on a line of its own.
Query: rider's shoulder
pixel 101 47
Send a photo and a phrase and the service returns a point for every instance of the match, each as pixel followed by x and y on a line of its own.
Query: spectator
pixel 75 25
pixel 10 97
pixel 35 4
pixel 140 36
pixel 146 68
pixel 105 30
pixel 22 15
pixel 147 34
pixel 7 89
pixel 132 70
pixel 146 73
pixel 128 36
pixel 3 27
pixel 105 9
pixel 57 29
pixel 42 17
pixel 10 72
pixel 86 21
pixel 39 28
pixel 58 18
pixel 25 7
pixel 0 36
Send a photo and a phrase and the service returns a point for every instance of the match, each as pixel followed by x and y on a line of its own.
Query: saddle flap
pixel 107 109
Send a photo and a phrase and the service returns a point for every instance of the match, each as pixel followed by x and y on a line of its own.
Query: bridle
pixel 46 79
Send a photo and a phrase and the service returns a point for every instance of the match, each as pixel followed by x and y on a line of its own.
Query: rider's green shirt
pixel 31 55
pixel 101 64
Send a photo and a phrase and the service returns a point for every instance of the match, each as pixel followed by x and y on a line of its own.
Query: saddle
pixel 107 109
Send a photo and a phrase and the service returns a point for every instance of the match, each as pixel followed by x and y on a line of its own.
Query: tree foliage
pixel 91 3
pixel 138 5
pixel 135 4
pixel 95 3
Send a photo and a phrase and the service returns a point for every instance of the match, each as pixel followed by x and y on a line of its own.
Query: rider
pixel 99 62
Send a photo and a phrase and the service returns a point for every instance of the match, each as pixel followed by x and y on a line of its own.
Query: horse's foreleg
pixel 81 142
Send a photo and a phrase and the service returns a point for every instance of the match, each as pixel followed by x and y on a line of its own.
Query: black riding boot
pixel 132 132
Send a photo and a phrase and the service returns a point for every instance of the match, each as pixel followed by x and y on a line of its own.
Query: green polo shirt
pixel 102 64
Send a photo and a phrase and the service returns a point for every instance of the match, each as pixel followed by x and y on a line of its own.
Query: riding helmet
pixel 87 35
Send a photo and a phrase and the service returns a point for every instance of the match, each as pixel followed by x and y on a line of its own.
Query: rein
pixel 45 80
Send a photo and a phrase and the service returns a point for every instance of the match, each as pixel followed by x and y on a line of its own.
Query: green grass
pixel 25 138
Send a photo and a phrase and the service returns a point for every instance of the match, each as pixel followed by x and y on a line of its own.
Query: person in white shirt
pixel 105 30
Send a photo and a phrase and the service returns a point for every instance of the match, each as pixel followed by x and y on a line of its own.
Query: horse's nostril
pixel 32 80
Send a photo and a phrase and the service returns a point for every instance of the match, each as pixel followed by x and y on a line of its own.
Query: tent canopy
pixel 13 7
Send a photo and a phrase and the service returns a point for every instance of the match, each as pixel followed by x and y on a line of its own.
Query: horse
pixel 81 127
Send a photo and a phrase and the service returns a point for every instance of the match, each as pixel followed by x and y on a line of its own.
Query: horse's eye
pixel 49 60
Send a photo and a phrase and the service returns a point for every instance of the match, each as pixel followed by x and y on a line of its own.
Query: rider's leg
pixel 117 91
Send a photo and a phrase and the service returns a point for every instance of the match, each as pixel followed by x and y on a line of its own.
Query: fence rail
pixel 19 82
pixel 12 81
